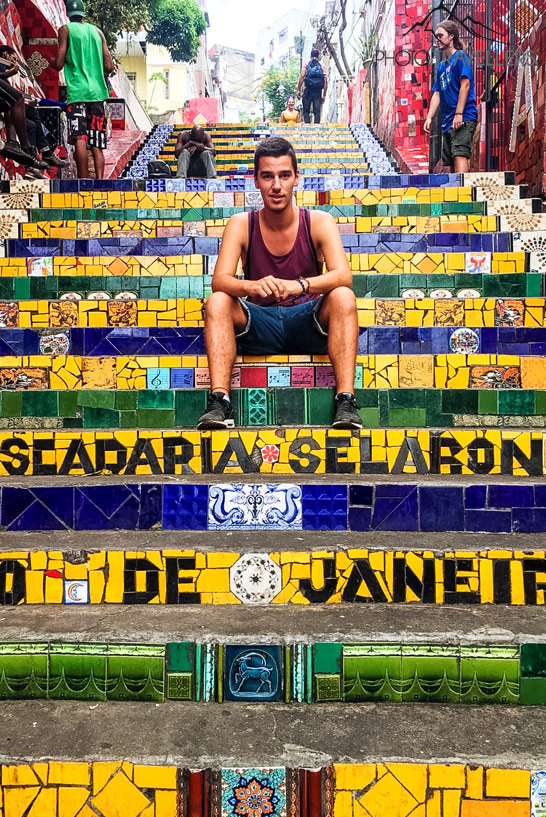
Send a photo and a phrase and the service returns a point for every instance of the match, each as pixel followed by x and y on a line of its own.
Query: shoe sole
pixel 211 424
pixel 346 424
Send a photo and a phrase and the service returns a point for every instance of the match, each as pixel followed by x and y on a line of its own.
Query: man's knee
pixel 342 299
pixel 219 304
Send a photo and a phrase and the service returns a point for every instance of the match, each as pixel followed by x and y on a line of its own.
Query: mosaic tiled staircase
pixel 359 576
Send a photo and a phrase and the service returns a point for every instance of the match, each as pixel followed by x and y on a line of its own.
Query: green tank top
pixel 84 66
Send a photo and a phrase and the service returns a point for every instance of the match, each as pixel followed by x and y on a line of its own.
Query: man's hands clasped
pixel 271 287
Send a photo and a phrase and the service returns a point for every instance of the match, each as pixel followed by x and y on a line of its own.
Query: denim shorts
pixel 282 330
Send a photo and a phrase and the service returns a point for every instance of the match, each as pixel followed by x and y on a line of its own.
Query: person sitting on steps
pixel 285 304
pixel 195 146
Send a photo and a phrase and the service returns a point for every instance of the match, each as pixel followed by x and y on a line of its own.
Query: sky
pixel 235 23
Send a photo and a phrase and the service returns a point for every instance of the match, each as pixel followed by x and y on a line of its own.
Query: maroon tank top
pixel 301 261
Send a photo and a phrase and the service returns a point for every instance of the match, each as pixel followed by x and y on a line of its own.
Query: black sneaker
pixel 346 411
pixel 55 161
pixel 219 413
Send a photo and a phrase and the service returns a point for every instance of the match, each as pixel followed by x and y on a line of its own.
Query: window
pixel 262 61
pixel 283 36
pixel 167 84
pixel 271 47
pixel 131 76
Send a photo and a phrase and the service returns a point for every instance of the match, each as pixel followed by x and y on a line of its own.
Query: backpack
pixel 314 76
pixel 158 169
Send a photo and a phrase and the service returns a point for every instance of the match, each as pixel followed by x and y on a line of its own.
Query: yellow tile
pixel 446 776
pixel 451 801
pixel 120 798
pixel 388 798
pixel 514 783
pixel 342 804
pixel 474 780
pixel 18 775
pixel 155 777
pixel 413 776
pixel 103 771
pixel 165 803
pixel 17 800
pixel 354 776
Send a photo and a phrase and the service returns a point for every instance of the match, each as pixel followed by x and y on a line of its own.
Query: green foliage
pixel 246 118
pixel 113 17
pixel 177 26
pixel 286 74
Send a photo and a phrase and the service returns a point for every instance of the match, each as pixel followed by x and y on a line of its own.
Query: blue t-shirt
pixel 448 83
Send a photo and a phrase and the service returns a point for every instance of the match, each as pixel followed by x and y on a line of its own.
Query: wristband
pixel 303 283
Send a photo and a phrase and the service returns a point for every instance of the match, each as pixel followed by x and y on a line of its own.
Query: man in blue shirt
pixel 454 93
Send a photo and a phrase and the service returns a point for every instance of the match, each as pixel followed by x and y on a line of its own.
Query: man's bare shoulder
pixel 322 220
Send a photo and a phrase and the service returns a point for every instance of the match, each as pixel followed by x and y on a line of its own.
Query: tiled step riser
pixel 283 451
pixel 302 673
pixel 184 285
pixel 181 408
pixel 474 312
pixel 472 265
pixel 167 576
pixel 162 227
pixel 373 340
pixel 335 182
pixel 451 371
pixel 383 242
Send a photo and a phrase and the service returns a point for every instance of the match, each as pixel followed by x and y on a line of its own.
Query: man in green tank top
pixel 84 55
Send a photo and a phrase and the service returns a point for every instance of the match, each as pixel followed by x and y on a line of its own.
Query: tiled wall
pixel 333 576
pixel 279 451
pixel 273 671
pixel 346 790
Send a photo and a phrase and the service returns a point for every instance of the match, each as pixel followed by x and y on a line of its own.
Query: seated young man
pixel 285 304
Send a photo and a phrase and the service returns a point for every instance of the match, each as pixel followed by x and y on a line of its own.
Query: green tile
pixel 77 672
pixel 180 686
pixel 155 399
pixel 487 676
pixel 189 405
pixel 180 656
pixel 460 401
pixel 125 399
pixel 155 418
pixel 532 691
pixel 516 402
pixel 533 660
pixel 534 286
pixel 135 678
pixel 97 399
pixel 327 687
pixel 39 404
pixel 287 406
pixel 487 402
pixel 372 673
pixel 328 657
pixel 127 419
pixel 11 404
pixel 408 418
pixel 370 418
pixel 406 398
pixel 320 406
pixel 23 671
pixel 540 402
pixel 431 674
pixel 100 418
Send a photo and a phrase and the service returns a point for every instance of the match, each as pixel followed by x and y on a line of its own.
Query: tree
pixel 177 25
pixel 114 17
pixel 285 76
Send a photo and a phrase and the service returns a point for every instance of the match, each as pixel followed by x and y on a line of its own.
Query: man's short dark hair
pixel 275 146
pixel 315 53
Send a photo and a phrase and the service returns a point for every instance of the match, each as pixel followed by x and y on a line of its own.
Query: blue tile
pixel 360 494
pixel 151 505
pixel 253 673
pixel 360 519
pixel 185 507
pixel 511 496
pixel 395 510
pixel 488 521
pixel 529 520
pixel 442 508
pixel 475 496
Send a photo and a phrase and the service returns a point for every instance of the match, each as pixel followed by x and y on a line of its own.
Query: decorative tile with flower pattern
pixel 254 792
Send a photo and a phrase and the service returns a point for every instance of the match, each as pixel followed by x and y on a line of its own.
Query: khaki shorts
pixel 458 142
